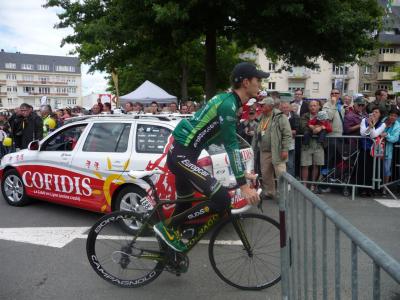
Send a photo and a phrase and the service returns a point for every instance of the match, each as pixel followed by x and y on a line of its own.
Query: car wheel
pixel 13 189
pixel 128 199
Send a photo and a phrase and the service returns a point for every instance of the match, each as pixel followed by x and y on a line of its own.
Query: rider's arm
pixel 227 114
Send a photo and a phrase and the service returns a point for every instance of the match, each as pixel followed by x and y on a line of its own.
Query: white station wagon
pixel 86 162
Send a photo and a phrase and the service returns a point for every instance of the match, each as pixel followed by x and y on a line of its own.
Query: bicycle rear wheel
pixel 121 258
pixel 255 268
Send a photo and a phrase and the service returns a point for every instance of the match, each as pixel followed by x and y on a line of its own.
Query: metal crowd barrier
pixel 346 164
pixel 316 261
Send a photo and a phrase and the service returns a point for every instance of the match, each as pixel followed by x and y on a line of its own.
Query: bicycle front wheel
pixel 121 258
pixel 244 251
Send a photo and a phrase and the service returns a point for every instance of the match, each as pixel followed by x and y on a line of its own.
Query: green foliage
pixel 143 34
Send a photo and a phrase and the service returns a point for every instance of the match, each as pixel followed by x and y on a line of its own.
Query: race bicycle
pixel 243 247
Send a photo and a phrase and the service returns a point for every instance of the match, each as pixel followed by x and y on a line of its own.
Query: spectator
pixel 95 110
pixel 294 121
pixel 371 127
pixel 273 139
pixel 250 126
pixel 352 120
pixel 277 98
pixel 381 101
pixel 154 108
pixel 49 123
pixel 138 108
pixel 32 125
pixel 129 108
pixel 313 153
pixel 184 109
pixel 107 108
pixel 67 113
pixel 173 108
pixel 15 122
pixel 391 135
pixel 336 112
pixel 302 106
pixel 321 120
pixel 347 104
pixel 100 104
pixel 4 132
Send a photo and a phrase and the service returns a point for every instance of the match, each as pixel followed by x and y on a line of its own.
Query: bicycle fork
pixel 242 235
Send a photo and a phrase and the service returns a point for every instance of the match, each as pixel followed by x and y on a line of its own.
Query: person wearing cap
pixel 352 120
pixel 214 123
pixel 273 140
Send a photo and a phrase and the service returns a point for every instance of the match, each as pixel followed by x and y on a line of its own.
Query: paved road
pixel 39 272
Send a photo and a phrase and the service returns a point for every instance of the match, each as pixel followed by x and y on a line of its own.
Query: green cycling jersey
pixel 215 123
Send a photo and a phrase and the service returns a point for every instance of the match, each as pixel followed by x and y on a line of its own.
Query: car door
pixel 104 156
pixel 48 175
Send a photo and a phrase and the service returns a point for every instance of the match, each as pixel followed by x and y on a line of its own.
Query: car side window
pixel 64 140
pixel 108 137
pixel 151 138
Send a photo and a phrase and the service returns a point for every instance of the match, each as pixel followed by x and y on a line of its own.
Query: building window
pixel 317 68
pixel 26 67
pixel 71 80
pixel 11 76
pixel 72 90
pixel 27 77
pixel 9 88
pixel 10 101
pixel 61 90
pixel 386 50
pixel 11 66
pixel 367 87
pixel 271 67
pixel 44 90
pixel 71 101
pixel 384 86
pixel 340 70
pixel 28 89
pixel 367 70
pixel 65 68
pixel 44 79
pixel 14 88
pixel 43 67
pixel 1 102
pixel 271 85
pixel 383 68
pixel 315 86
pixel 61 79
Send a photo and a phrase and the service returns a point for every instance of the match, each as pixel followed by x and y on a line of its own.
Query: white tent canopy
pixel 147 93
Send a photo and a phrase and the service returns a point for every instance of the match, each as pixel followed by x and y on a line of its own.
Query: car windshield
pixel 218 149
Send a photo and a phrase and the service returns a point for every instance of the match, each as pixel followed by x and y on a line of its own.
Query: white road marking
pixel 389 203
pixel 58 237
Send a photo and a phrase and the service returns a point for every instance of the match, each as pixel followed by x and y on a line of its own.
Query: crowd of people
pixel 303 136
pixel 299 136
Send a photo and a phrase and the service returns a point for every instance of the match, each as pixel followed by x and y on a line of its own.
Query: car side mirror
pixel 34 145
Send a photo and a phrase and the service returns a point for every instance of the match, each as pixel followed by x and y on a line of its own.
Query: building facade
pixel 315 83
pixel 27 78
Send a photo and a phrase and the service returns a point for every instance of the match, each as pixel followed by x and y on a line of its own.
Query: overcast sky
pixel 27 27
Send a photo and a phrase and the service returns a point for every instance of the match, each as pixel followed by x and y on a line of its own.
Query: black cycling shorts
pixel 182 162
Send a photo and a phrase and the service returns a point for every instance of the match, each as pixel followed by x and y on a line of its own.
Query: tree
pixel 110 33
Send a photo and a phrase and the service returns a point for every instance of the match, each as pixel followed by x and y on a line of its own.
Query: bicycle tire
pixel 118 256
pixel 226 247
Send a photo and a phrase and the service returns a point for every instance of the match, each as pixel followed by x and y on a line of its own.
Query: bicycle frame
pixel 209 225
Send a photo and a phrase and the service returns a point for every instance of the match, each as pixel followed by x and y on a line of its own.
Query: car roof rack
pixel 161 117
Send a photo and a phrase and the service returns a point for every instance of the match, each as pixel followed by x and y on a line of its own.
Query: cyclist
pixel 215 123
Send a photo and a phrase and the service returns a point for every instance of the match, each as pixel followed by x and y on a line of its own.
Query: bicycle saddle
pixel 143 173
